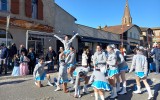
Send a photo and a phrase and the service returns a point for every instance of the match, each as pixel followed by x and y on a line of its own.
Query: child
pixel 16 69
pixel 81 73
pixel 39 73
pixel 122 68
pixel 70 61
pixel 139 62
pixel 113 70
pixel 99 59
pixel 99 84
pixel 62 73
pixel 24 64
pixel 66 42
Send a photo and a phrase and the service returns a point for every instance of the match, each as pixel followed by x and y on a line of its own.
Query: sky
pixel 94 13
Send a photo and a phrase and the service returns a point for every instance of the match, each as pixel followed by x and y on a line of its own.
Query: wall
pixel 157 35
pixel 64 22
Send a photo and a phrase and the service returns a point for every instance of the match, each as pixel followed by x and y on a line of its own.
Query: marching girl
pixel 24 64
pixel 81 73
pixel 122 67
pixel 113 70
pixel 66 42
pixel 39 73
pixel 70 62
pixel 62 75
pixel 99 84
pixel 99 59
pixel 139 62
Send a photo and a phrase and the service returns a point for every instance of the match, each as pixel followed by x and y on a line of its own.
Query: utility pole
pixel 7 28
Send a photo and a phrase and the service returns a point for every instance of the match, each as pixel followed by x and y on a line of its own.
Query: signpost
pixel 7 28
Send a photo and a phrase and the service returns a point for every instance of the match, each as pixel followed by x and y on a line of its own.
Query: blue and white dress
pixel 71 60
pixel 112 62
pixel 62 75
pixel 122 65
pixel 39 73
pixel 99 81
pixel 140 64
pixel 16 69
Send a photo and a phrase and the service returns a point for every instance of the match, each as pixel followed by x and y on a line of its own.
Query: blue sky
pixel 94 13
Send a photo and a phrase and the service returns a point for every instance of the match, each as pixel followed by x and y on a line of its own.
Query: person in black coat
pixel 51 56
pixel 13 49
pixel 32 57
pixel 22 49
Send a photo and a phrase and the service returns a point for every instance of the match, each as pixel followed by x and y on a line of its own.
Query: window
pixel 34 8
pixel 3 5
pixel 130 34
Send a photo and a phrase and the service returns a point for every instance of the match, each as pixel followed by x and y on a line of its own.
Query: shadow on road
pixel 13 82
pixel 156 89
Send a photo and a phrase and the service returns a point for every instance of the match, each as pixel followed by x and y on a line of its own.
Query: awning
pixel 90 39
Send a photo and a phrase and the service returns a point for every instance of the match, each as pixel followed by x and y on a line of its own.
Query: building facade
pixel 36 15
pixel 156 32
pixel 146 37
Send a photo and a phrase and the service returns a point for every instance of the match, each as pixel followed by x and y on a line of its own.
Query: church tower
pixel 127 19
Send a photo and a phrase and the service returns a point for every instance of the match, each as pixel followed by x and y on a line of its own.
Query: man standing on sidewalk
pixel 3 58
pixel 51 56
pixel 156 53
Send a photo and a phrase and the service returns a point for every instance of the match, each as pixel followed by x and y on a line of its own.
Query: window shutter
pixel 15 6
pixel 28 8
pixel 40 10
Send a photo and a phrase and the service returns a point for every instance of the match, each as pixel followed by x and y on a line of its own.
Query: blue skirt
pixel 70 65
pixel 140 74
pixel 40 78
pixel 64 81
pixel 101 85
pixel 125 68
pixel 16 71
pixel 66 52
pixel 112 72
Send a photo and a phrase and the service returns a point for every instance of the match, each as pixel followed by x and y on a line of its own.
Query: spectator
pixel 24 64
pixel 3 58
pixel 51 56
pixel 13 50
pixel 156 53
pixel 16 70
pixel 32 57
pixel 22 49
pixel 89 57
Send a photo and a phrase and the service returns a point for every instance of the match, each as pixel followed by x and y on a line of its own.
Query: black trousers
pixel 31 67
pixel 3 66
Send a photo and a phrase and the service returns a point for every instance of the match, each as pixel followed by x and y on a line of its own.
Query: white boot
pixel 72 80
pixel 123 91
pixel 96 95
pixel 49 83
pixel 102 97
pixel 114 93
pixel 149 92
pixel 77 92
pixel 85 89
pixel 138 91
pixel 118 87
pixel 58 88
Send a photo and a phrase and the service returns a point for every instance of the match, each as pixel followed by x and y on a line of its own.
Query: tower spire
pixel 127 19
